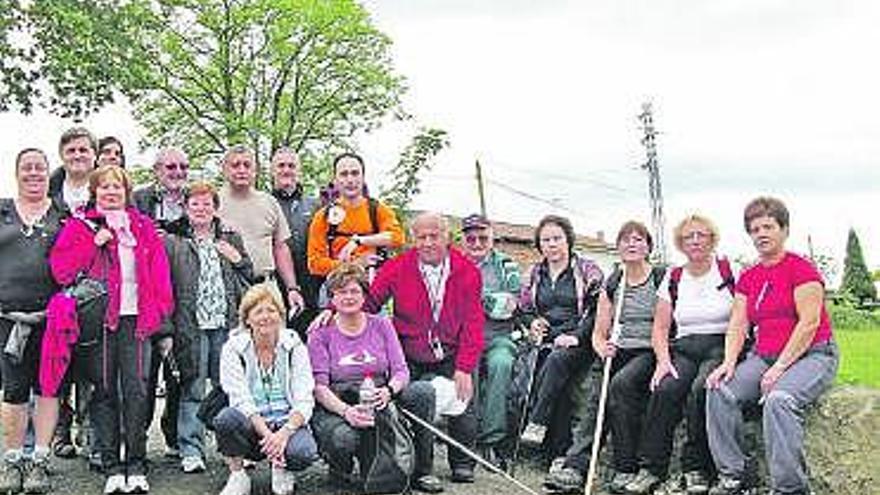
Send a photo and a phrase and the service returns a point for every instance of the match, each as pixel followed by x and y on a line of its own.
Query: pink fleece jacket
pixel 75 249
pixel 461 322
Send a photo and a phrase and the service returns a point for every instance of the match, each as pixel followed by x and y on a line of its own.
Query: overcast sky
pixel 751 97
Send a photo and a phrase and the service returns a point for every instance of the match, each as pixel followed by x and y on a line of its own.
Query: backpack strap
pixel 726 272
pixel 674 279
pixel 333 229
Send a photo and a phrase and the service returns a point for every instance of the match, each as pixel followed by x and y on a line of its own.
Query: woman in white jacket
pixel 265 371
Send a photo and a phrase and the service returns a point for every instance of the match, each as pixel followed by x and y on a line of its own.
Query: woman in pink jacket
pixel 118 244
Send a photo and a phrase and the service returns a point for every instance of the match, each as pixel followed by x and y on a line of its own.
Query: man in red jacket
pixel 439 319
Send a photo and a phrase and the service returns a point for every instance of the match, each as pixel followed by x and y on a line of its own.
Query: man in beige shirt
pixel 258 217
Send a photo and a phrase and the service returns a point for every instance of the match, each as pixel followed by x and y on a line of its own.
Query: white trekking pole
pixel 606 378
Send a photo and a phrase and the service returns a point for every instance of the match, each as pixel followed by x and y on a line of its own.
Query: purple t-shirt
pixel 340 358
pixel 769 292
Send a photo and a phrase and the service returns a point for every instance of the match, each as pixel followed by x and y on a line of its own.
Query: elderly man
pixel 298 209
pixel 501 286
pixel 258 217
pixel 439 319
pixel 163 200
pixel 354 227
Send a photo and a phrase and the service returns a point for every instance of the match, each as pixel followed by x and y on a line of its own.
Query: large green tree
pixel 857 281
pixel 201 74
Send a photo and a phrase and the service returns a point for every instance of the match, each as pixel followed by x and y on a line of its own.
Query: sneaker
pixel 192 464
pixel 565 480
pixel 115 484
pixel 428 484
pixel 534 433
pixel 239 483
pixel 137 483
pixel 643 484
pixel 36 478
pixel 728 485
pixel 62 446
pixel 248 463
pixel 462 474
pixel 696 483
pixel 11 476
pixel 619 482
pixel 556 465
pixel 283 481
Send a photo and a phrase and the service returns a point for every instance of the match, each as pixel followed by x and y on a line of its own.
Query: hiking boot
pixel 564 480
pixel 62 446
pixel 137 483
pixel 619 481
pixel 283 481
pixel 644 483
pixel 696 483
pixel 427 483
pixel 11 476
pixel 36 478
pixel 239 483
pixel 728 485
pixel 534 433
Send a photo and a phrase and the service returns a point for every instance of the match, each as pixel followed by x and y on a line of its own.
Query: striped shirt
pixel 637 315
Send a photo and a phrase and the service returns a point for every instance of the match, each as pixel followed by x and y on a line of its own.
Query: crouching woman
pixel 265 371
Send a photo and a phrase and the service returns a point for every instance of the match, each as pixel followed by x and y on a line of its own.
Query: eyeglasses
pixel 475 238
pixel 183 167
pixel 696 236
pixel 354 291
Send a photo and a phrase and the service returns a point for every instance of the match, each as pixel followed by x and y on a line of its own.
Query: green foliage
pixel 857 281
pixel 845 314
pixel 203 74
pixel 875 276
pixel 415 158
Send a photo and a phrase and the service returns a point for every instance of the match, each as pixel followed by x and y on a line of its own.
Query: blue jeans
pixel 190 430
pixel 236 437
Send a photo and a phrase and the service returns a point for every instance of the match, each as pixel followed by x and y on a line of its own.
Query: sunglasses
pixel 474 238
pixel 183 167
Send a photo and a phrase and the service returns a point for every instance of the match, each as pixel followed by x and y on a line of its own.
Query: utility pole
pixel 480 190
pixel 656 193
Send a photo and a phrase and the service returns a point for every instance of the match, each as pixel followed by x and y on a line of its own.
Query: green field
pixel 860 356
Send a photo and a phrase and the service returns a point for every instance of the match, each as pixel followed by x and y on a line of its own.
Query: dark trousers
pixel 340 442
pixel 236 437
pixel 553 405
pixel 121 395
pixel 20 377
pixel 462 428
pixel 627 400
pixel 694 357
pixel 168 421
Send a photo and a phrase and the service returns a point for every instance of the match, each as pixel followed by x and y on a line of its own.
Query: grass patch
pixel 859 356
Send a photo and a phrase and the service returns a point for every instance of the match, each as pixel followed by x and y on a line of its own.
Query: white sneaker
pixel 192 464
pixel 115 484
pixel 239 483
pixel 137 484
pixel 283 481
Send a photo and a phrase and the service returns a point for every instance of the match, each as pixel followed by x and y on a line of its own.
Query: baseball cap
pixel 474 221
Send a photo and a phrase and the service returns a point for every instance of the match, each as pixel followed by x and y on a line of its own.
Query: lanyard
pixel 435 287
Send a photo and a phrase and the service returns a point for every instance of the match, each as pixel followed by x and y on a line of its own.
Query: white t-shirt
pixel 701 308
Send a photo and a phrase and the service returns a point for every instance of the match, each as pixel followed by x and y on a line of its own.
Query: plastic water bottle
pixel 367 395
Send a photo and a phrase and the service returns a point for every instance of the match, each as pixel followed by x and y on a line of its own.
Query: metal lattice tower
pixel 656 193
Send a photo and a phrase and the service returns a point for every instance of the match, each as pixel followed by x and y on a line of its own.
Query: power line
pixel 569 179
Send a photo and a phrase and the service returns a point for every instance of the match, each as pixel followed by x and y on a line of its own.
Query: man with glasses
pixel 501 286
pixel 163 200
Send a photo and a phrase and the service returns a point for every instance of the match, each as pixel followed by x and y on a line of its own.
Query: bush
pixel 844 315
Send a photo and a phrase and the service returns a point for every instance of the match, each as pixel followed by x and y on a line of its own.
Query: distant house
pixel 518 241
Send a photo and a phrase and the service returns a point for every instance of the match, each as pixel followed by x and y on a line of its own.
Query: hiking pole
pixel 473 455
pixel 603 394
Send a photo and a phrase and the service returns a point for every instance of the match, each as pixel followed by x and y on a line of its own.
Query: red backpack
pixel 727 279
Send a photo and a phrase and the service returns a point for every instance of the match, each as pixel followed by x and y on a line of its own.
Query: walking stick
pixel 473 455
pixel 603 394
pixel 532 359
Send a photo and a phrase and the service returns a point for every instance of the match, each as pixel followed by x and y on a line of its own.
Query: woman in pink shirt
pixel 793 361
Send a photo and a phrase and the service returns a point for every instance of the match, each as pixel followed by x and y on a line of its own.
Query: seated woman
pixel 352 346
pixel 630 351
pixel 265 371
pixel 558 305
pixel 693 308
pixel 794 360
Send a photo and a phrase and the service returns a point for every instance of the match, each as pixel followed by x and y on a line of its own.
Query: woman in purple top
pixel 352 346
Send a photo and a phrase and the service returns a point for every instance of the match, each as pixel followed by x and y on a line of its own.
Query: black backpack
pixel 387 454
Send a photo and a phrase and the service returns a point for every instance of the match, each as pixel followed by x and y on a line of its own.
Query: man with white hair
pixel 439 319
pixel 163 200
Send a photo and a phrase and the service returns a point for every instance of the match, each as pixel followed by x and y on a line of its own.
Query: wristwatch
pixel 293 287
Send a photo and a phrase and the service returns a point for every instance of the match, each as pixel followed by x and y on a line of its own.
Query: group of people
pixel 294 305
